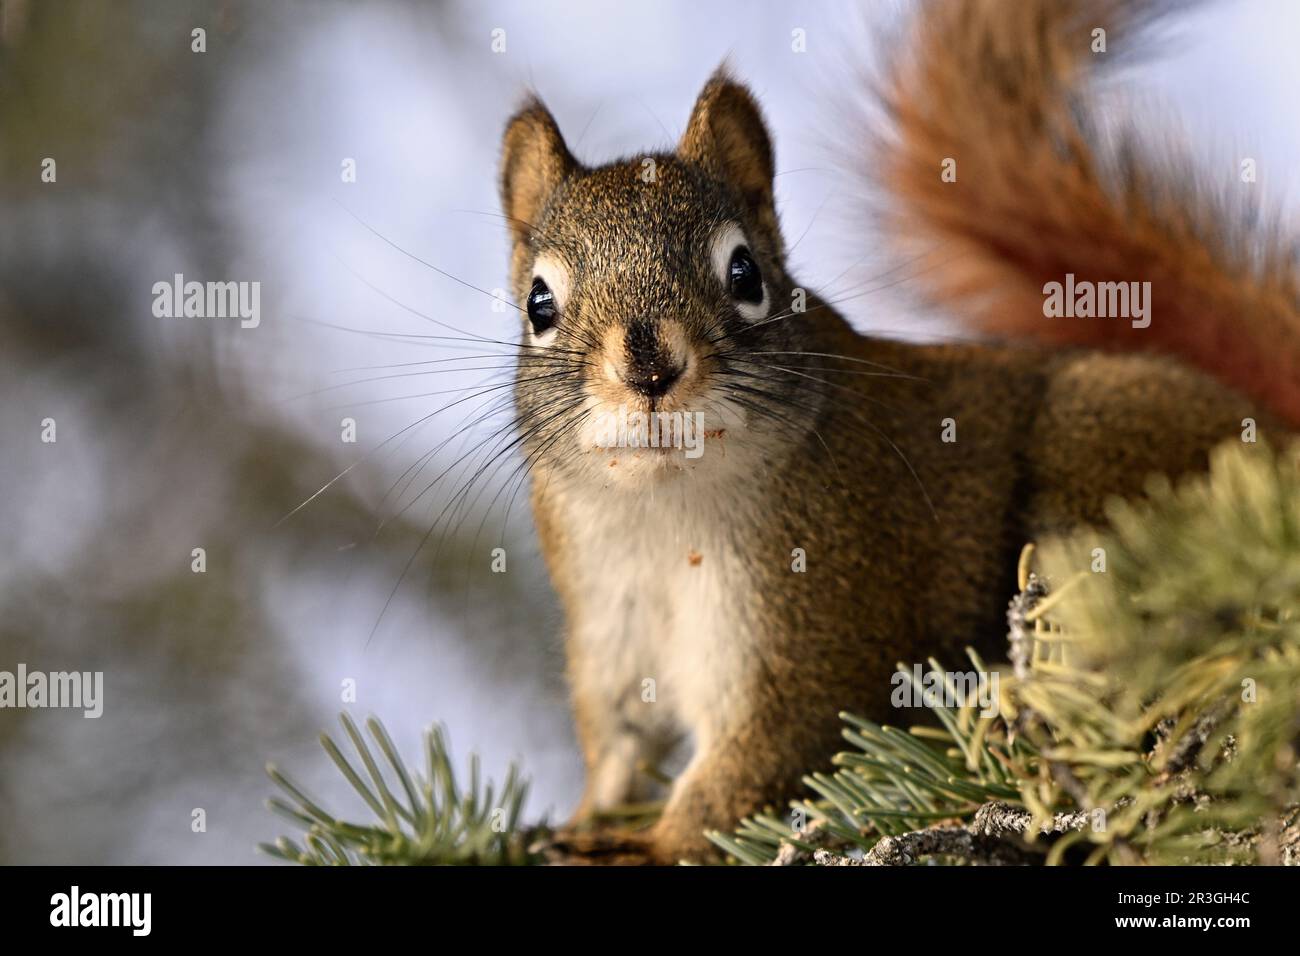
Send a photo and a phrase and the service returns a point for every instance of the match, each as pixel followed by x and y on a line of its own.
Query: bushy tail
pixel 1043 188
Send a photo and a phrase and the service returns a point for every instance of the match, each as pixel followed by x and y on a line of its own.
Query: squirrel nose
pixel 654 383
pixel 651 370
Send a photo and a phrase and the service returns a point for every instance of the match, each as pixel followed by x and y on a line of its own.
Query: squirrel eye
pixel 541 307
pixel 746 280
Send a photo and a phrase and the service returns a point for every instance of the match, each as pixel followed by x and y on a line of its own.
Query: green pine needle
pixel 428 820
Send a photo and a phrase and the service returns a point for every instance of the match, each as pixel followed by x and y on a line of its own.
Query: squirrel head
pixel 642 281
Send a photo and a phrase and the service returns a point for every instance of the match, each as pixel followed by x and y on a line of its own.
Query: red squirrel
pixel 857 501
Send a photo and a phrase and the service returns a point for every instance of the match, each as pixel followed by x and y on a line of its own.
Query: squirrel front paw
pixel 607 846
pixel 673 841
pixel 664 844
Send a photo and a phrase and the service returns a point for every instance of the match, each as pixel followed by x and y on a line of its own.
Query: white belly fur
pixel 644 611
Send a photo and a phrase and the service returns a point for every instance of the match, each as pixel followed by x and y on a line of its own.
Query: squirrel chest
pixel 659 591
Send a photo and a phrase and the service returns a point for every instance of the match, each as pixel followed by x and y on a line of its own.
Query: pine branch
pixel 954 842
pixel 421 820
pixel 897 782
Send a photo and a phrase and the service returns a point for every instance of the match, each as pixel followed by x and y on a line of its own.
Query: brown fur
pixel 910 540
pixel 1040 192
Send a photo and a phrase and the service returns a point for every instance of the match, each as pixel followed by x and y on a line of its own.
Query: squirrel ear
pixel 534 161
pixel 726 134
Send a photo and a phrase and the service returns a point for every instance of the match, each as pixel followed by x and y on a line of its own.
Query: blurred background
pixel 182 433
